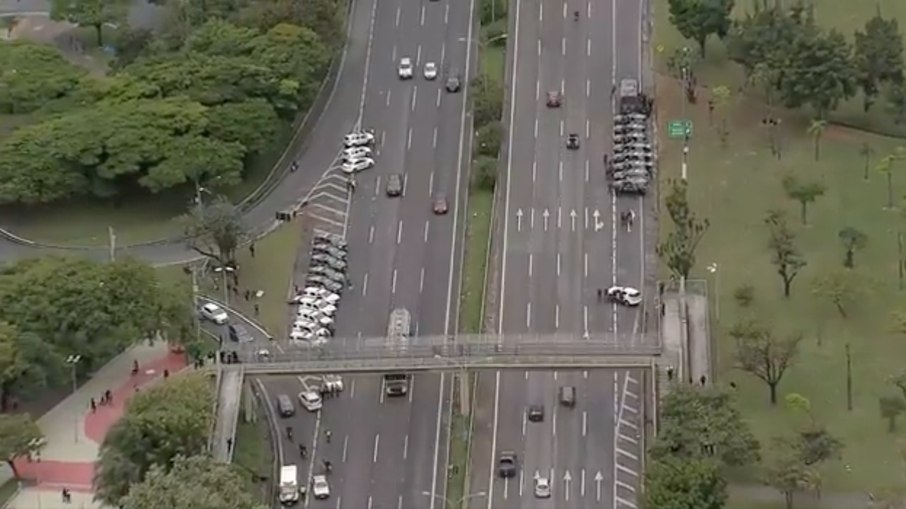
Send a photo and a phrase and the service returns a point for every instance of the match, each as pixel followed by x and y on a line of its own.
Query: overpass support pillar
pixel 464 396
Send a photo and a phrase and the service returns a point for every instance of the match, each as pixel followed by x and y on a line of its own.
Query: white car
pixel 357 152
pixel 405 68
pixel 366 163
pixel 430 71
pixel 322 319
pixel 318 306
pixel 311 400
pixel 358 139
pixel 624 295
pixel 308 337
pixel 214 313
pixel 542 487
pixel 317 292
pixel 320 487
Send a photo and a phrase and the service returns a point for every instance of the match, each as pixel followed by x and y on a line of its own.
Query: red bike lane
pixel 78 475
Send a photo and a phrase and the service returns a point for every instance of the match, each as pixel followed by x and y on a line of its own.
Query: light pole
pixel 73 361
pixel 454 503
pixel 464 404
pixel 685 98
pixel 713 269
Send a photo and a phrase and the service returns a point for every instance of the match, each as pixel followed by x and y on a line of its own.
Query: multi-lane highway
pixel 561 244
pixel 391 452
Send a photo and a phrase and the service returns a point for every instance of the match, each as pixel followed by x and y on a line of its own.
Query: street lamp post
pixel 73 361
pixel 713 269
pixel 454 503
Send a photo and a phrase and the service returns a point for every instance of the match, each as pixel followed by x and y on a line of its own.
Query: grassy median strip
pixel 490 85
pixel 255 461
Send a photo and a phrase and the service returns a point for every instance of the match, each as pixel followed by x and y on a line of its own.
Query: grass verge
pixel 7 491
pixel 251 457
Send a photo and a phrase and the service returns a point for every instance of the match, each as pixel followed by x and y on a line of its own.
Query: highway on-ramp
pixel 561 245
pixel 391 452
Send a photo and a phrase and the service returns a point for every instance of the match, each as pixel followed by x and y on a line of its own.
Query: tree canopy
pixel 164 422
pixel 53 307
pixel 703 423
pixel 19 436
pixel 697 19
pixel 684 483
pixel 194 113
pixel 197 482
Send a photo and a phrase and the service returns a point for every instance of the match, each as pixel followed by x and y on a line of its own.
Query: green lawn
pixel 478 226
pixel 843 15
pixel 734 186
pixel 271 270
pixel 252 456
pixel 459 450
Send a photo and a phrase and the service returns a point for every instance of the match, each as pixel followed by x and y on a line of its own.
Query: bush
pixel 485 172
pixel 488 139
pixel 744 295
pixel 493 33
pixel 487 96
pixel 492 10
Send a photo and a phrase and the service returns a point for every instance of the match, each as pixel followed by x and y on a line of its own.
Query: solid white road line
pixel 365 285
pixel 367 63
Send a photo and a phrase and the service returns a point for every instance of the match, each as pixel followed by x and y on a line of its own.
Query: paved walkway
pixel 74 432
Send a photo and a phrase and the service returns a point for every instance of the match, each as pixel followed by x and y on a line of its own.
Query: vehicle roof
pixel 211 306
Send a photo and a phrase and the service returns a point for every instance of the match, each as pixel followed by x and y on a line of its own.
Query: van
pixel 568 396
pixel 285 406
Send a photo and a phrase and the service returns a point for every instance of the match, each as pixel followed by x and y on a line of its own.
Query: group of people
pixel 106 399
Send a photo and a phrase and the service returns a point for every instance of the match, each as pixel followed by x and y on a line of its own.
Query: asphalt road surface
pixel 387 453
pixel 562 244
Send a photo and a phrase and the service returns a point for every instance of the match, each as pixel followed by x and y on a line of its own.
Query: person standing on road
pixel 327 435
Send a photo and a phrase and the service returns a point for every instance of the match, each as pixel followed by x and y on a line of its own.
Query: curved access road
pixel 315 156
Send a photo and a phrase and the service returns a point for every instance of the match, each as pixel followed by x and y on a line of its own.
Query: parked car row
pixel 357 153
pixel 318 300
pixel 631 168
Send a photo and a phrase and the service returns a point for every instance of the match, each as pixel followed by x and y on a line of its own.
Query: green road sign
pixel 679 128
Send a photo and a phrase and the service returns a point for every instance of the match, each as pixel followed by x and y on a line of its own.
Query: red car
pixel 440 205
pixel 553 99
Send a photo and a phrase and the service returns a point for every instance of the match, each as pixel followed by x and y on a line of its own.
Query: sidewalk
pixel 74 432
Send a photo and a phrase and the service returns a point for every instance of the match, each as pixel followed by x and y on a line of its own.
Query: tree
pixel 840 287
pixel 866 152
pixel 487 100
pixel 488 139
pixel 886 166
pixel 682 62
pixel 721 96
pixel 815 444
pixel 697 20
pixel 761 353
pixel 20 437
pixel 215 230
pixel 678 250
pixel 42 76
pixel 787 474
pixel 878 55
pixel 90 13
pixel 197 482
pixel 853 240
pixel 159 424
pixel 785 255
pixel 681 483
pixel 891 407
pixel 818 73
pixel 816 130
pixel 803 192
pixel 703 423
pixel 251 123
pixel 485 172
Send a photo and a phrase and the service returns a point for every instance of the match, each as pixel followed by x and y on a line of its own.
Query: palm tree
pixel 816 129
pixel 866 151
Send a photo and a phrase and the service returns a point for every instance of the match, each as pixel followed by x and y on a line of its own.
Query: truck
pixel 289 485
pixel 398 330
pixel 631 99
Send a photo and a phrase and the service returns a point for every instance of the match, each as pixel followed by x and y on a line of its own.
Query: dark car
pixel 453 83
pixel 554 99
pixel 239 334
pixel 439 205
pixel 394 185
pixel 536 413
pixel 572 141
pixel 506 464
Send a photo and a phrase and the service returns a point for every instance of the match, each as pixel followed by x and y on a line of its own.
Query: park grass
pixel 251 457
pixel 845 16
pixel 733 187
pixel 271 271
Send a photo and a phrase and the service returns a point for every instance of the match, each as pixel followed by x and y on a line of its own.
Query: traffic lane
pixel 391 423
pixel 598 392
pixel 628 29
pixel 484 446
pixel 570 446
pixel 424 446
pixel 303 423
pixel 510 434
pixel 630 251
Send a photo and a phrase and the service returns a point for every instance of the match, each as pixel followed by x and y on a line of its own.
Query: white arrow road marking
pixel 566 480
pixel 546 215
pixel 598 479
pixel 572 218
pixel 519 220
